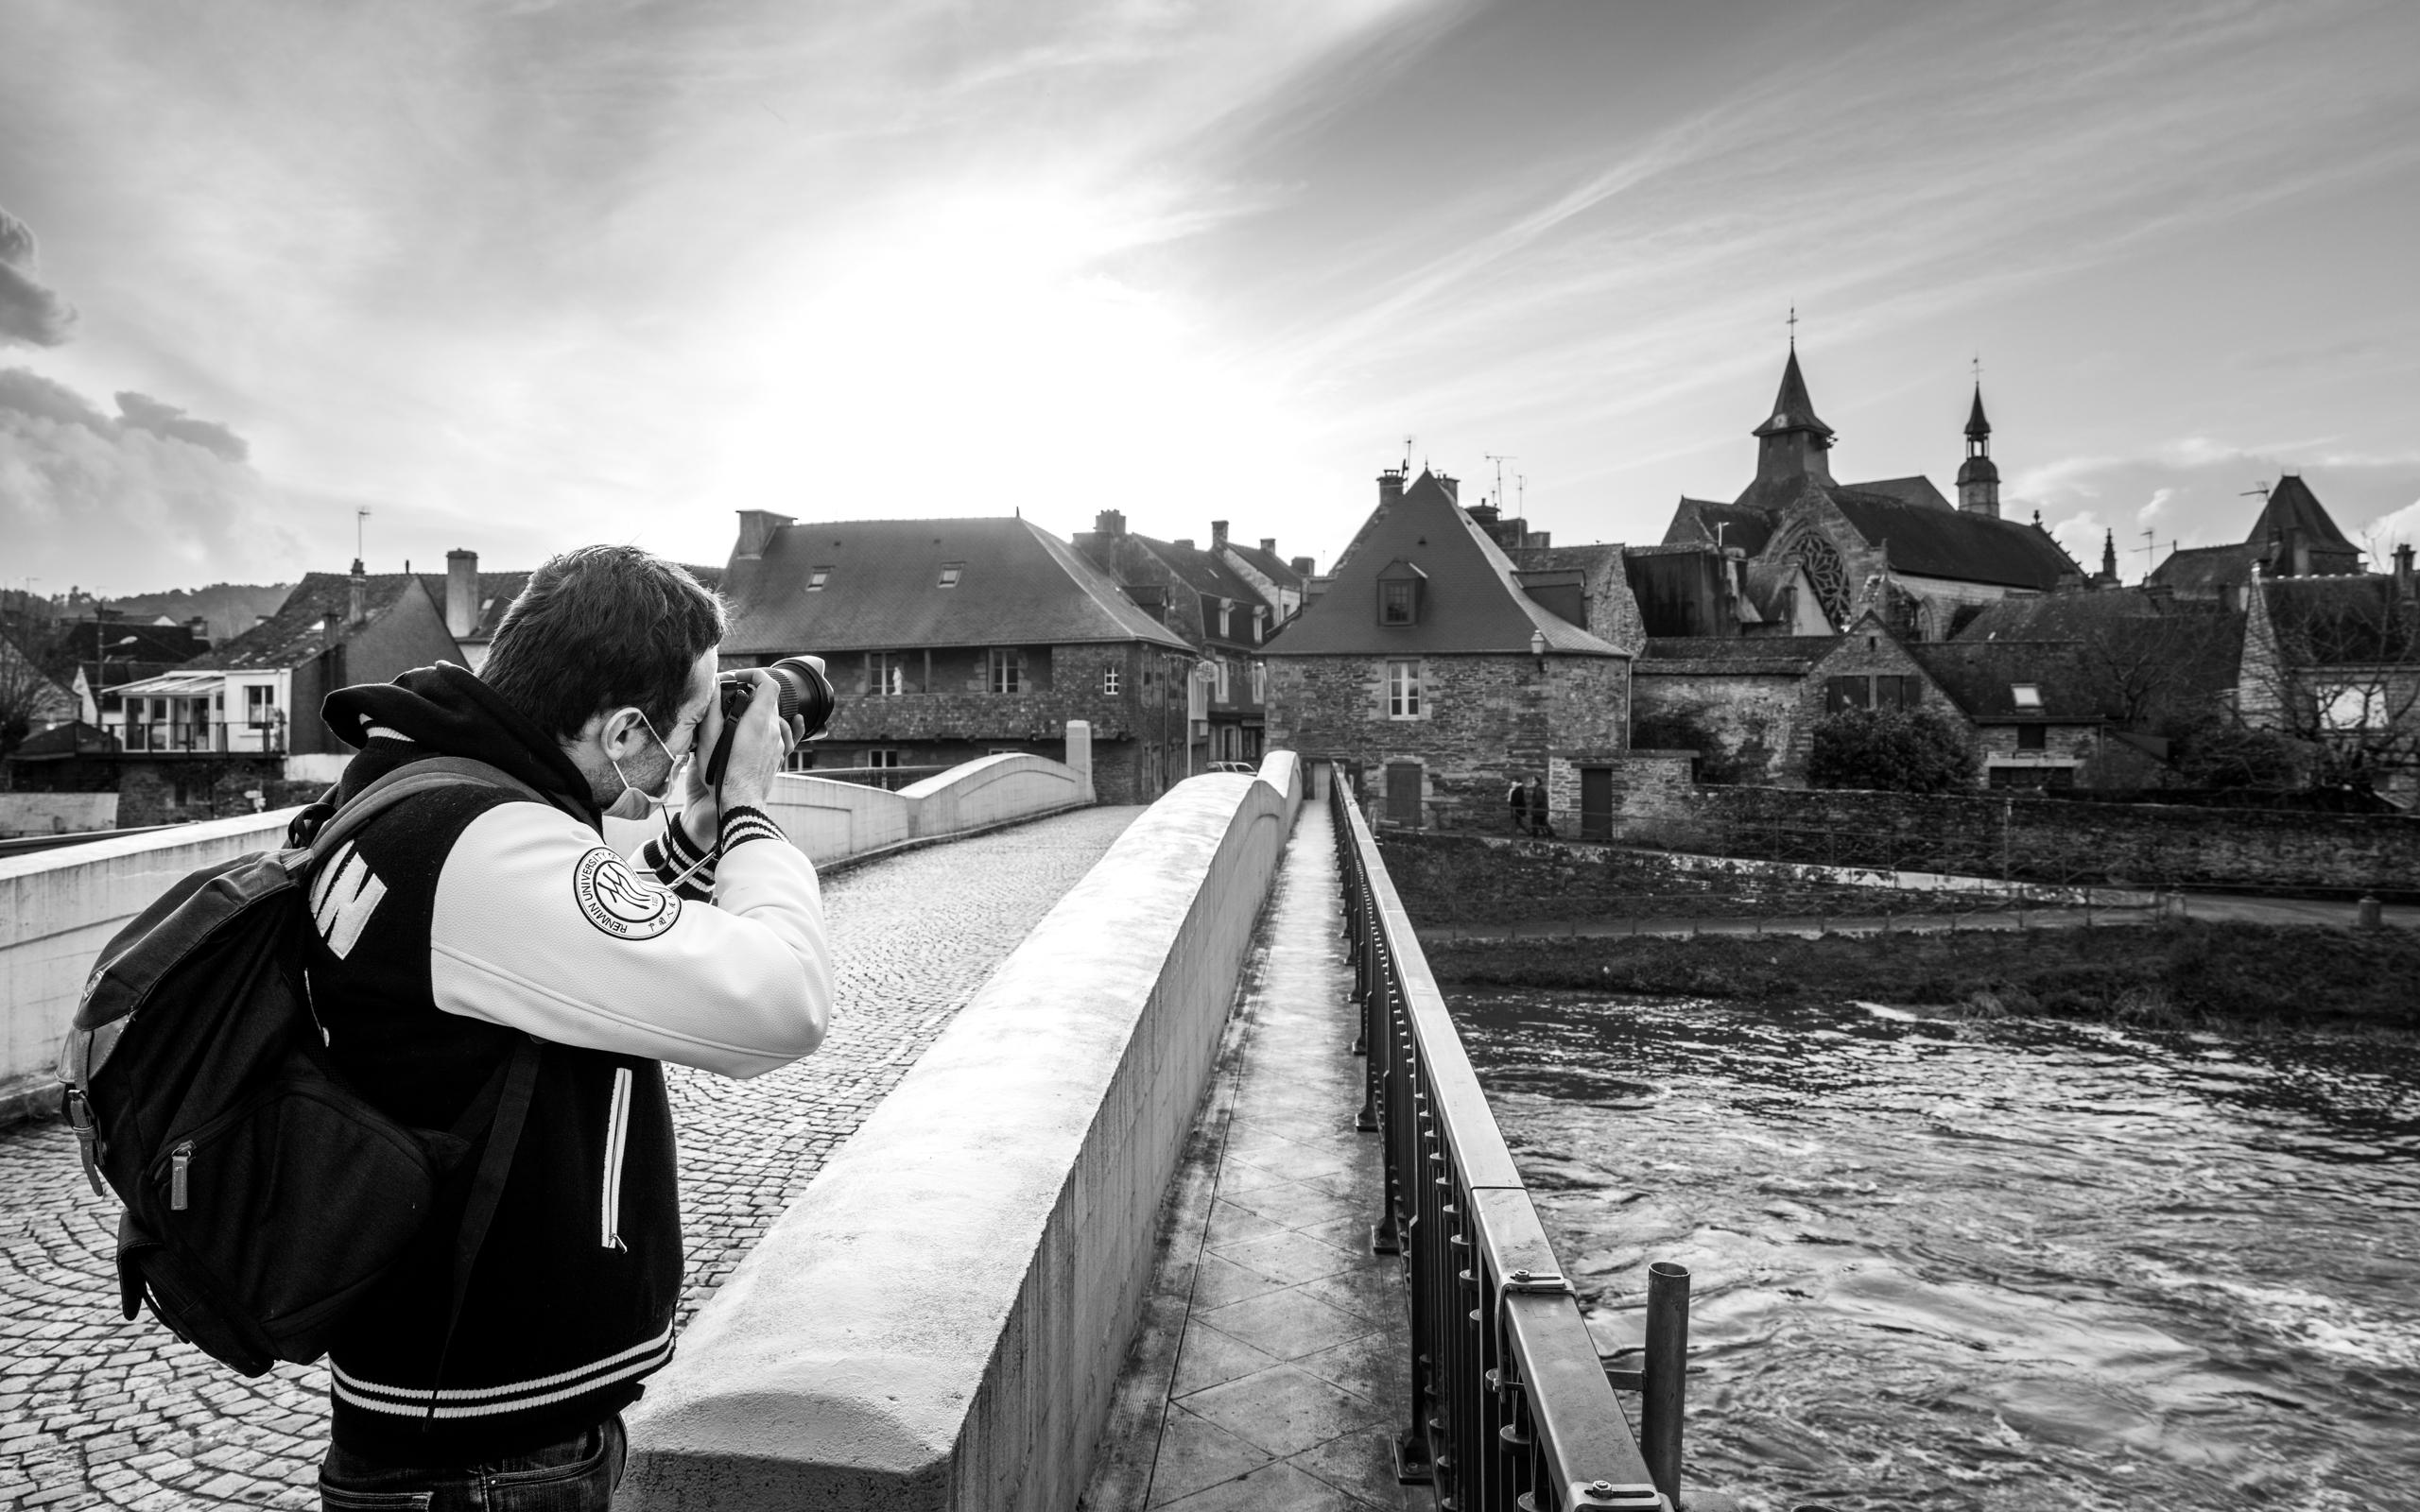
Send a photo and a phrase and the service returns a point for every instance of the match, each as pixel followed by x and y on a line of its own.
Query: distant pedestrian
pixel 1539 821
pixel 1520 799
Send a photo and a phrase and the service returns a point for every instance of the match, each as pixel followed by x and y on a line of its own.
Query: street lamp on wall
pixel 1538 647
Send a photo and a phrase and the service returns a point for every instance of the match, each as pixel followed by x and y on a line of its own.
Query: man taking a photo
pixel 468 920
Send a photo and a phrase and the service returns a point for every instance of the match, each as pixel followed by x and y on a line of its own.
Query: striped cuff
pixel 670 854
pixel 743 824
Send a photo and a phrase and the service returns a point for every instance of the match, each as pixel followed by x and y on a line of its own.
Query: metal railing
pixel 1510 1404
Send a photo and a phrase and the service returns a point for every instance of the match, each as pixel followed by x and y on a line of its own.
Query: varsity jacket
pixel 453 926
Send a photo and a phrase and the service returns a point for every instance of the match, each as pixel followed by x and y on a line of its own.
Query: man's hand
pixel 764 740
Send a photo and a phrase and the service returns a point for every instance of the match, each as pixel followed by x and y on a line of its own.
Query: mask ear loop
pixel 665 802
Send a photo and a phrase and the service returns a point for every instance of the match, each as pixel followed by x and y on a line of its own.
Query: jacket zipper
pixel 618 1133
pixel 179 1160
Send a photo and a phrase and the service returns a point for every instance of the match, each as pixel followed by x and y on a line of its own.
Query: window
pixel 2028 696
pixel 815 579
pixel 260 705
pixel 1897 693
pixel 1403 690
pixel 885 674
pixel 1846 693
pixel 950 572
pixel 2029 737
pixel 1110 681
pixel 1008 669
pixel 1397 601
pixel 1259 624
pixel 1218 680
pixel 883 756
pixel 1260 682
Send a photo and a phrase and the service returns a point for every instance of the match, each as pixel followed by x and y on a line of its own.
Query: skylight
pixel 950 572
pixel 815 579
pixel 2028 696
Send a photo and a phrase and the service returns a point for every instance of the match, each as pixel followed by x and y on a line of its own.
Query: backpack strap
pixel 423 776
pixel 520 1079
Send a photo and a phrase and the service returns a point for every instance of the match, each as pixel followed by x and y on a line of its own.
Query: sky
pixel 520 275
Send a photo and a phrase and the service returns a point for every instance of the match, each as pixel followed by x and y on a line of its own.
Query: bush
pixel 1687 728
pixel 1891 750
pixel 2219 753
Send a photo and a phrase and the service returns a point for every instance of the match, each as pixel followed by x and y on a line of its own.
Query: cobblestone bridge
pixel 95 1412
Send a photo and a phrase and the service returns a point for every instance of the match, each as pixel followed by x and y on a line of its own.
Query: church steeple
pixel 2108 577
pixel 1792 442
pixel 1978 477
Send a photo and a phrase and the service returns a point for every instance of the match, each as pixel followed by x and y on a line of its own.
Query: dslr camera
pixel 806 703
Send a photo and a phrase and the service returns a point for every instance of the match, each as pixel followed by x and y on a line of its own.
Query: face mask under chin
pixel 634 802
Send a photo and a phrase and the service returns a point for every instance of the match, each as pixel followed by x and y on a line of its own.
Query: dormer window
pixel 816 577
pixel 950 572
pixel 2028 696
pixel 1399 593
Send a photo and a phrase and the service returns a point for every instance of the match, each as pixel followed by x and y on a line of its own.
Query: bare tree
pixel 2335 663
pixel 30 698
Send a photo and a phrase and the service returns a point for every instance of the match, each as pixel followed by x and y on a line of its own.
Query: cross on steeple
pixel 1792 323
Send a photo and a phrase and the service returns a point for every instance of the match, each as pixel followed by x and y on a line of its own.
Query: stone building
pixel 1432 671
pixel 2334 663
pixel 2036 707
pixel 950 640
pixel 1894 547
pixel 1214 599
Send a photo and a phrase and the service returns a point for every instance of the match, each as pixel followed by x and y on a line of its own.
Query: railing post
pixel 1666 1371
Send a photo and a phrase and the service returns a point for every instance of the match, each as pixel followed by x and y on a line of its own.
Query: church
pixel 1814 555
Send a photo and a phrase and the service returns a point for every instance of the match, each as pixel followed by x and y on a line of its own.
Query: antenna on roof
pixel 2260 488
pixel 2151 548
pixel 1407 456
pixel 360 518
pixel 1521 485
pixel 1499 462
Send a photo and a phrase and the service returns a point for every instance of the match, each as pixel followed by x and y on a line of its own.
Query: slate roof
pixel 1977 426
pixel 1202 570
pixel 1930 543
pixel 1019 586
pixel 1269 564
pixel 1916 490
pixel 296 632
pixel 1470 602
pixel 496 592
pixel 2292 506
pixel 1980 677
pixel 2200 571
pixel 1768 655
pixel 2199 641
pixel 1745 526
pixel 90 641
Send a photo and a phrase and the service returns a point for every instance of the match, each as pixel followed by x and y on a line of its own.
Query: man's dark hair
pixel 598 628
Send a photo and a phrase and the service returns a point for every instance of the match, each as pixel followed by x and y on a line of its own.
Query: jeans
pixel 577 1475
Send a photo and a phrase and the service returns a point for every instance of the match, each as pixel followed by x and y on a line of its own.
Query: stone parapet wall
pixel 938 1320
pixel 2041 839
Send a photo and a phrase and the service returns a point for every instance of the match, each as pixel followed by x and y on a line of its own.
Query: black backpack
pixel 263 1197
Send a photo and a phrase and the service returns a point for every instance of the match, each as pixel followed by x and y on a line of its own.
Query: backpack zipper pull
pixel 179 1159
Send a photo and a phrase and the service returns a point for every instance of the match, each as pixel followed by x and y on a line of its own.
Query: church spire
pixel 1792 442
pixel 1978 477
pixel 2108 577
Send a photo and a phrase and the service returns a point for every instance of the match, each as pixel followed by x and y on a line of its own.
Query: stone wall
pixel 1484 721
pixel 1755 717
pixel 2041 839
pixel 23 814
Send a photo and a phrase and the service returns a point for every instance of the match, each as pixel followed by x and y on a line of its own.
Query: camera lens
pixel 805 693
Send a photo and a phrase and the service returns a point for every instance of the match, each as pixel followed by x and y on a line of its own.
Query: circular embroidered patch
pixel 619 900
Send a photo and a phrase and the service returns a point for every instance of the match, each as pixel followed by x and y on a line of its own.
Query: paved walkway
pixel 1272 1368
pixel 97 1412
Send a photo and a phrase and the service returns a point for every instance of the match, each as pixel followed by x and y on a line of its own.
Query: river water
pixel 2016 1264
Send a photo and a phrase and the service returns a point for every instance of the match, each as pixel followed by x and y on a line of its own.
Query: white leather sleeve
pixel 538 926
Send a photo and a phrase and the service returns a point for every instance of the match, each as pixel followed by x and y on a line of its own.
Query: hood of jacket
pixel 444 710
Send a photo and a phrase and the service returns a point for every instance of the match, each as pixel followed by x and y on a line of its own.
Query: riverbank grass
pixel 2176 974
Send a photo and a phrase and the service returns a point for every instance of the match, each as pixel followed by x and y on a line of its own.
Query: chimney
pixel 331 627
pixel 1453 487
pixel 198 629
pixel 1110 522
pixel 1302 565
pixel 1218 534
pixel 1390 487
pixel 358 600
pixel 1313 587
pixel 757 528
pixel 2404 587
pixel 1269 546
pixel 1185 544
pixel 462 593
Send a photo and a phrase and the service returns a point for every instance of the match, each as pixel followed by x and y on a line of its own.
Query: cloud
pixel 30 311
pixel 142 412
pixel 2388 531
pixel 148 496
